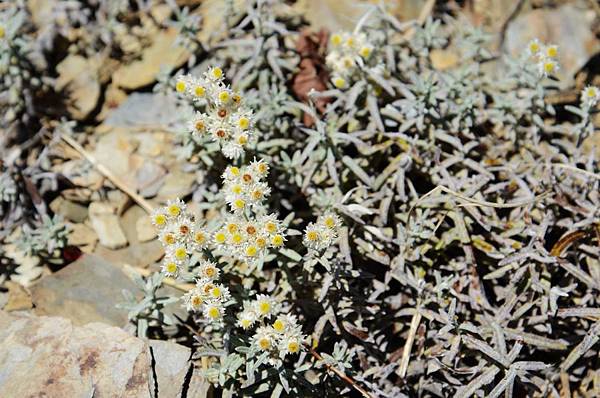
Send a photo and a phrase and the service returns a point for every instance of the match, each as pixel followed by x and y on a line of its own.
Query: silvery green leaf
pixel 291 254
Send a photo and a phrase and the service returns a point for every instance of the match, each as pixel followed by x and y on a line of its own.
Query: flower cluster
pixel 208 296
pixel 244 235
pixel 349 54
pixel 323 233
pixel 180 236
pixel 249 239
pixel 545 57
pixel 590 96
pixel 244 186
pixel 224 118
pixel 276 332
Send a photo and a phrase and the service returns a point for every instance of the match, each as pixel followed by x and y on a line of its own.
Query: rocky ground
pixel 61 330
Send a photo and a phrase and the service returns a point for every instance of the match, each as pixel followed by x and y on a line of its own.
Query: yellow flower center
pixel 237 239
pixel 180 253
pixel 552 51
pixel 261 242
pixel 239 203
pixel 199 91
pixel 264 307
pixel 208 287
pixel 169 239
pixel 234 171
pixel 251 251
pixel 224 96
pixel 264 343
pixel 549 67
pixel 534 47
pixel 365 52
pixel 215 292
pixel 312 235
pixel 196 301
pixel 174 210
pixel 277 240
pixel 210 272
pixel 257 194
pixel 199 125
pixel 160 219
pixel 279 326
pixel 171 268
pixel 339 82
pixel 270 227
pixel 293 347
pixel 217 72
pixel 220 237
pixel 245 323
pixel 330 222
pixel 336 39
pixel 199 237
pixel 242 139
pixel 236 189
pixel 244 123
pixel 262 168
pixel 180 86
pixel 213 312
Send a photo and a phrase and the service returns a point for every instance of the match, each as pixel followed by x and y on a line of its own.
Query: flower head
pixel 590 96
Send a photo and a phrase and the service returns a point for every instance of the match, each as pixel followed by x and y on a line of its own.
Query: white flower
pixel 193 301
pixel 590 96
pixel 159 218
pixel 213 311
pixel 199 238
pixel 547 67
pixel 199 123
pixel 208 270
pixel 330 220
pixel 174 208
pixel 263 338
pixel 534 47
pixel 264 305
pixel 323 233
pixel 170 266
pixel 246 319
pixel 289 345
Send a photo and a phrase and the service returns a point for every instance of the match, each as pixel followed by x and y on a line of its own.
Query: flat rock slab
pixel 50 357
pixel 87 290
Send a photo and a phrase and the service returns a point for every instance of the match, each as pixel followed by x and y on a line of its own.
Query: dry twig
pixel 108 174
pixel 342 375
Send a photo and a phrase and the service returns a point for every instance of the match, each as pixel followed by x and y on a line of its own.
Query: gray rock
pixel 138 254
pixel 50 357
pixel 145 109
pixel 172 363
pixel 145 230
pixel 87 290
pixel 149 178
pixel 107 227
pixel 69 210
